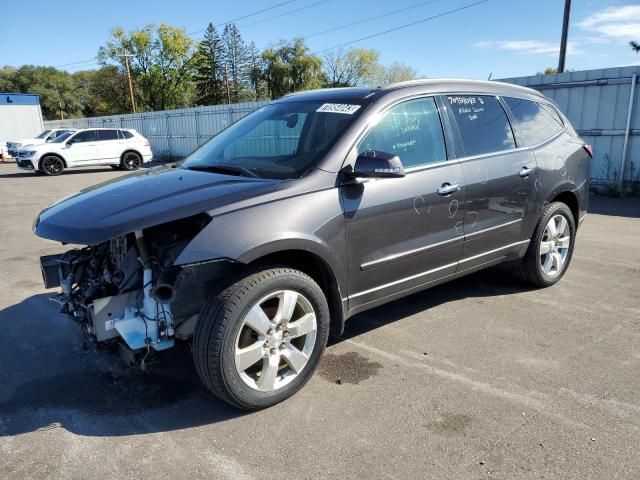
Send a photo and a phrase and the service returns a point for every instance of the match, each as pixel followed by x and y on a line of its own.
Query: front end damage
pixel 128 291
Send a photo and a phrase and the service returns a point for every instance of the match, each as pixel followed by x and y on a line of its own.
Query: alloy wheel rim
pixel 275 341
pixel 554 246
pixel 52 165
pixel 131 161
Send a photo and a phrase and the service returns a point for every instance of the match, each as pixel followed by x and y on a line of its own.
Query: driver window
pixel 271 138
pixel 411 130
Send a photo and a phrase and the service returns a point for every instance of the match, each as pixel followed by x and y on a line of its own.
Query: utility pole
pixel 226 80
pixel 565 31
pixel 61 111
pixel 126 63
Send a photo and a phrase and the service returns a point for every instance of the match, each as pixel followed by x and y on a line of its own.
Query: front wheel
pixel 551 246
pixel 259 340
pixel 131 161
pixel 51 165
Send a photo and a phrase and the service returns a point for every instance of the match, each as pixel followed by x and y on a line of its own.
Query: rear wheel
pixel 51 165
pixel 551 246
pixel 131 161
pixel 259 340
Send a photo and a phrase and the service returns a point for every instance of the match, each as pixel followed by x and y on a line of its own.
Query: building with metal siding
pixel 603 106
pixel 20 116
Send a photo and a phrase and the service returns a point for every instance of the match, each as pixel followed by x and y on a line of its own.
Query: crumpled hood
pixel 141 200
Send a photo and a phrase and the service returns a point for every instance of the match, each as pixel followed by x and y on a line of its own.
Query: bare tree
pixel 349 68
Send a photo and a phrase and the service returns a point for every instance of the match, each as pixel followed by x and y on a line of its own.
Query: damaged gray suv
pixel 323 204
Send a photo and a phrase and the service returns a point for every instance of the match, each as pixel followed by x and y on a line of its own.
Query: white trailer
pixel 20 117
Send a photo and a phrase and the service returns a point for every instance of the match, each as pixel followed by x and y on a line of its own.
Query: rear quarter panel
pixel 563 166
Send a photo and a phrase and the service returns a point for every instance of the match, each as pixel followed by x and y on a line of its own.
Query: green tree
pixel 256 73
pixel 236 54
pixel 105 91
pixel 548 71
pixel 635 46
pixel 160 64
pixel 208 65
pixel 59 93
pixel 350 68
pixel 290 68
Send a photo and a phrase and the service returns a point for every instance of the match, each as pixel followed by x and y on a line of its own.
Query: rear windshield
pixel 281 140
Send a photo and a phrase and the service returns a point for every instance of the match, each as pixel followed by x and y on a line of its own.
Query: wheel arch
pixel 570 199
pixel 319 270
pixel 131 150
pixel 51 154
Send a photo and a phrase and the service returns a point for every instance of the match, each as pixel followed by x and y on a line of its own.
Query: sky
pixel 501 38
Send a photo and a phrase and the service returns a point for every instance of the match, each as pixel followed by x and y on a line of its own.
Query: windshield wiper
pixel 224 168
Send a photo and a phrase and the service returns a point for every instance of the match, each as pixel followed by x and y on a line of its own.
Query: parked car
pixel 118 147
pixel 44 137
pixel 316 207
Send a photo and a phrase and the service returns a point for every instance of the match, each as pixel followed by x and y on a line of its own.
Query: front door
pixel 404 233
pixel 500 179
pixel 83 148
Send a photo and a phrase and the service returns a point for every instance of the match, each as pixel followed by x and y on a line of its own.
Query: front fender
pixel 311 222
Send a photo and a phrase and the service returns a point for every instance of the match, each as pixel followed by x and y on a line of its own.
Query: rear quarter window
pixel 126 134
pixel 536 122
pixel 483 124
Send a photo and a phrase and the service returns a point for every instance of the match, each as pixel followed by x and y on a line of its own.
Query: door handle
pixel 525 172
pixel 447 188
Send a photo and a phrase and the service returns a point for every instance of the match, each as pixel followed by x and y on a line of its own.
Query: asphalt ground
pixel 479 378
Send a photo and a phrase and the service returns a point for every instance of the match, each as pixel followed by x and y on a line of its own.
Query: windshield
pixel 281 140
pixel 62 137
pixel 43 134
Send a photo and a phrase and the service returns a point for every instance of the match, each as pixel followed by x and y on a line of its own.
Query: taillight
pixel 146 144
pixel 589 149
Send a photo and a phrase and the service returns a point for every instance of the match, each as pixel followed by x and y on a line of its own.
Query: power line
pixel 401 27
pixel 284 13
pixel 387 14
pixel 89 60
pixel 75 63
pixel 245 16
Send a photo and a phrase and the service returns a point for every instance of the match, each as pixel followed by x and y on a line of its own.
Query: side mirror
pixel 376 164
pixel 69 143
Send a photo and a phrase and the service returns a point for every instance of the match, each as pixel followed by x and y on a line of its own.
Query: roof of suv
pixel 430 85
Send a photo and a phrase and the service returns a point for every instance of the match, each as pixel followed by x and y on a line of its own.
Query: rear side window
pixel 126 134
pixel 411 130
pixel 536 122
pixel 86 136
pixel 108 134
pixel 482 123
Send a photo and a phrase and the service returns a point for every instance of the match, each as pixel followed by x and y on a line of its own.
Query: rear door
pixel 402 234
pixel 83 148
pixel 500 179
pixel 110 146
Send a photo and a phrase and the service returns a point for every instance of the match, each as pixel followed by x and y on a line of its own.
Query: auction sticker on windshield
pixel 338 108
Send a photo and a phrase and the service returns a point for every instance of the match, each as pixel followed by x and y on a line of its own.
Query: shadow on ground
pixel 617 207
pixel 49 380
pixel 16 173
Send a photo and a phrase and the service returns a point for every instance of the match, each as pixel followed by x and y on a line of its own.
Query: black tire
pixel 51 165
pixel 116 167
pixel 531 269
pixel 131 161
pixel 221 321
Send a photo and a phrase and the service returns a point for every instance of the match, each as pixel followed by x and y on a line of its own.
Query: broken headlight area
pixel 129 288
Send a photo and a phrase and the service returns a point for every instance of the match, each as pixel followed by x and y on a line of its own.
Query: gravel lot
pixel 479 378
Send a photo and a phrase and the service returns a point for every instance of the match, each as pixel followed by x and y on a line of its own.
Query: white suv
pixel 45 137
pixel 118 147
